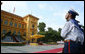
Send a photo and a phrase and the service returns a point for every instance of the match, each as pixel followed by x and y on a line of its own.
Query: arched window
pixel 5 22
pixel 19 25
pixel 11 23
pixel 15 25
pixel 22 25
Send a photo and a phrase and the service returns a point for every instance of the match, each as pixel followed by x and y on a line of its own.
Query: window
pixel 9 30
pixel 14 32
pixel 6 22
pixel 22 25
pixel 1 21
pixel 4 32
pixel 19 25
pixel 32 33
pixel 18 33
pixel 15 25
pixel 24 33
pixel 33 26
pixel 25 26
pixel 26 19
pixel 11 23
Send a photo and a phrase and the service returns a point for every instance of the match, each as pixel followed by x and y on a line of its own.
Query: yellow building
pixel 24 26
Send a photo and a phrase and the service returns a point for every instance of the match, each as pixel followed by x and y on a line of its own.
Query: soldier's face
pixel 67 16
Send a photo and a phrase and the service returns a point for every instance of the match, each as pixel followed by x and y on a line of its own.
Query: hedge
pixel 13 44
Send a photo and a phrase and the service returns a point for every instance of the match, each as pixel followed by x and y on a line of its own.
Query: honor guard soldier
pixel 72 33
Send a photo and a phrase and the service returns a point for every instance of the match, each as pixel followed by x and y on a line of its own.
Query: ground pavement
pixel 32 49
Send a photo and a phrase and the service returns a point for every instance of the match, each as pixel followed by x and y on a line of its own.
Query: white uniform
pixel 71 32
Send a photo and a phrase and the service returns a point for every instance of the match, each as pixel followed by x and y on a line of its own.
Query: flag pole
pixel 14 10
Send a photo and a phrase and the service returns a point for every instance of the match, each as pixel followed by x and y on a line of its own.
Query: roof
pixel 11 14
pixel 31 16
pixel 5 12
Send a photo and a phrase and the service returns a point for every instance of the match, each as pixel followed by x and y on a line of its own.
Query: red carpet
pixel 51 51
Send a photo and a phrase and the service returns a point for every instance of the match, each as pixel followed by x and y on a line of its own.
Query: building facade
pixel 23 26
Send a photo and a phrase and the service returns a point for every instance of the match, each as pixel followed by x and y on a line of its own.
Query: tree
pixel 50 29
pixel 42 26
pixel 58 33
pixel 50 35
pixel 82 26
pixel 59 29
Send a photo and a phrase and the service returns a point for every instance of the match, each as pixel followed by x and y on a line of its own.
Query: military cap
pixel 73 12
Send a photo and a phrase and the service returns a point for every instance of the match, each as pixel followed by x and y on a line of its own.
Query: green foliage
pixel 50 35
pixel 42 33
pixel 42 26
pixel 82 26
pixel 52 43
pixel 59 29
pixel 12 44
pixel 8 33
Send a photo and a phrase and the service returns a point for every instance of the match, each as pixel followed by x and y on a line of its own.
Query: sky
pixel 52 13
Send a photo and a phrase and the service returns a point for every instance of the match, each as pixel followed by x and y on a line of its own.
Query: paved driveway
pixel 28 48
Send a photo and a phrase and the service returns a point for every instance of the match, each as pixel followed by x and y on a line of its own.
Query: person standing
pixel 72 33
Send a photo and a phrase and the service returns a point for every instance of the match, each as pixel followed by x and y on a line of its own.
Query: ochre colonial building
pixel 17 25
